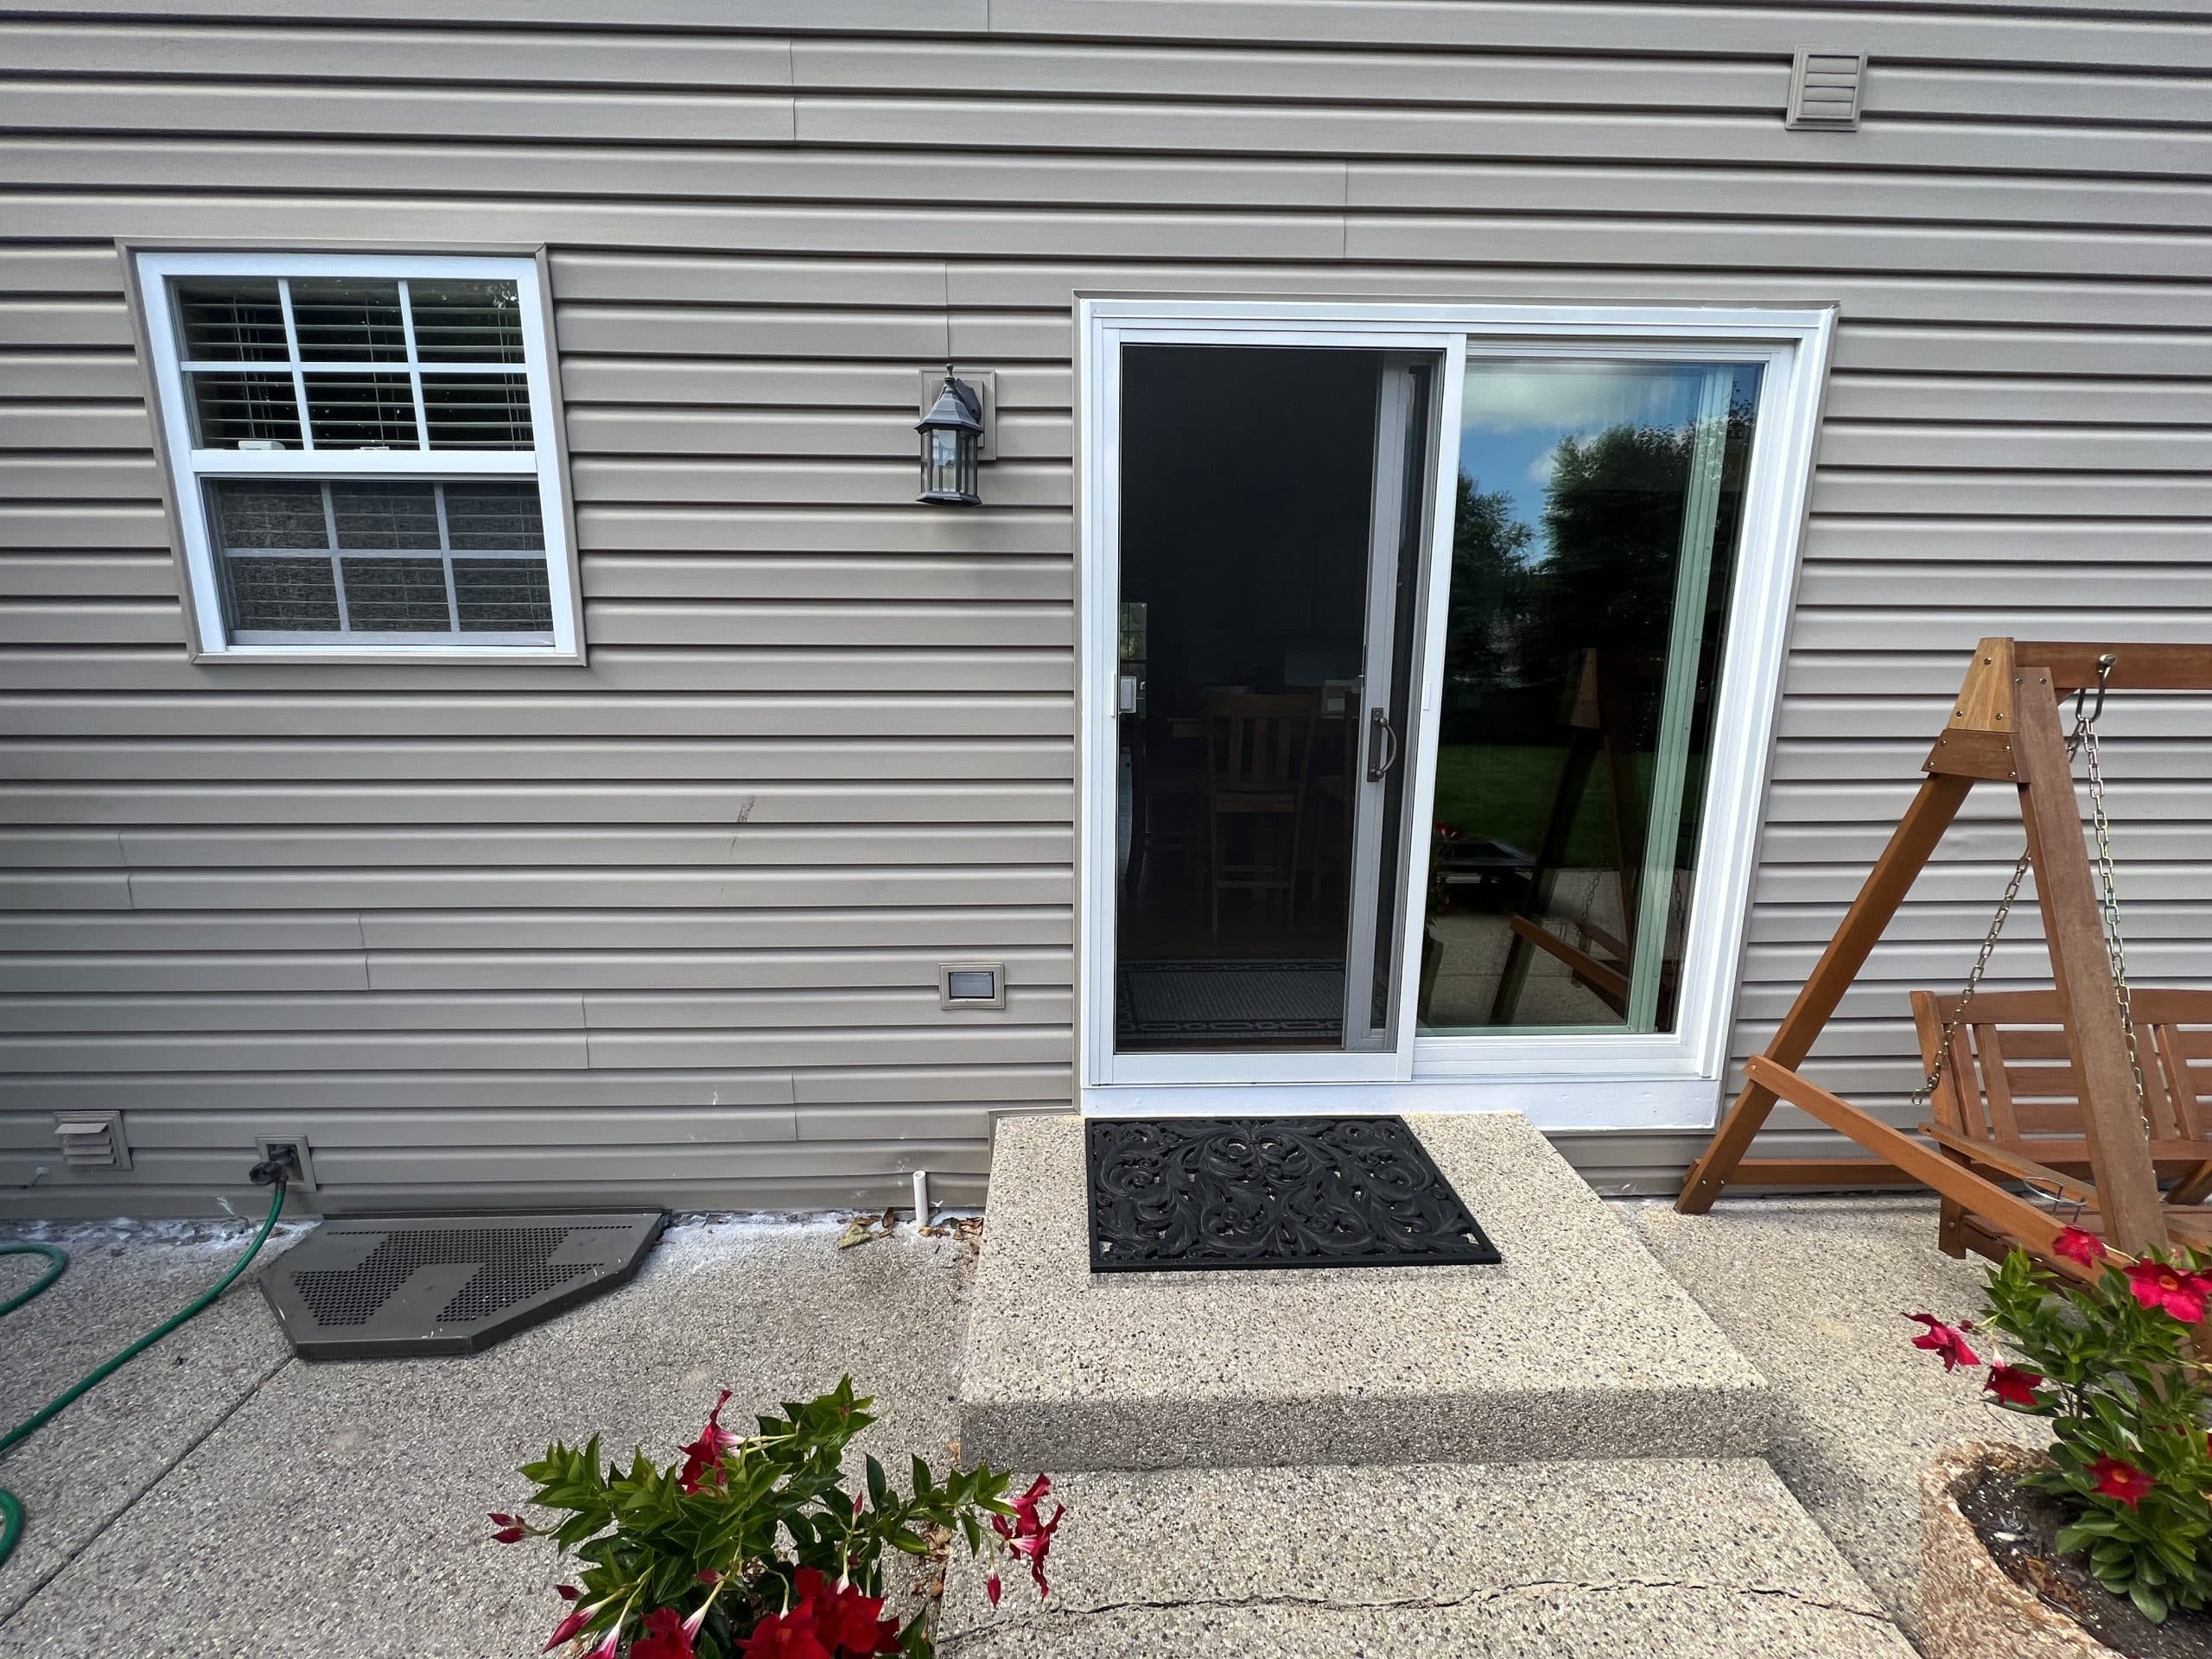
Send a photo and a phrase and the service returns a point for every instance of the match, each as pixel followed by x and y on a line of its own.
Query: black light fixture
pixel 952 433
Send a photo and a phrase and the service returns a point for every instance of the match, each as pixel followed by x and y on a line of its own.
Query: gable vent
pixel 92 1140
pixel 1824 90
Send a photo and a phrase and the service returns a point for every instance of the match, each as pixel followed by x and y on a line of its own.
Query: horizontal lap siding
pixel 669 927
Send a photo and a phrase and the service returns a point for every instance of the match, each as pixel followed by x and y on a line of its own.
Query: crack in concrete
pixel 41 1581
pixel 1065 1615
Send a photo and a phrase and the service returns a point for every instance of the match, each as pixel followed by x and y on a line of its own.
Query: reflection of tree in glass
pixel 1525 609
pixel 1490 584
pixel 1613 526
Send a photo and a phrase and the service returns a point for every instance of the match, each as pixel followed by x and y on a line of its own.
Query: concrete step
pixel 1621 1559
pixel 1577 1346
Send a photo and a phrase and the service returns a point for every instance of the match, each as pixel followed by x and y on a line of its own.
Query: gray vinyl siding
pixel 667 927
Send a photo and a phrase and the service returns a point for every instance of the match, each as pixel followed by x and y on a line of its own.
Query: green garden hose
pixel 11 1507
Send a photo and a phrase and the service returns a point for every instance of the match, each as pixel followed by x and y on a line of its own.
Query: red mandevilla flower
pixel 2124 1481
pixel 785 1636
pixel 2171 1290
pixel 1944 1342
pixel 1028 1537
pixel 665 1637
pixel 2077 1246
pixel 511 1529
pixel 851 1625
pixel 2013 1385
pixel 705 1453
pixel 567 1627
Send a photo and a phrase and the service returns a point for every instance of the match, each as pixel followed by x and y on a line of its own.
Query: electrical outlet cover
pixel 270 1139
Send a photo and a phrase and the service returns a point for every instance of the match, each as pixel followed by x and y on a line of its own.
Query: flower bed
pixel 2128 1485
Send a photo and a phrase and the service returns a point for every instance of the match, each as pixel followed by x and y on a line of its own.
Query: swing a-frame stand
pixel 2005 726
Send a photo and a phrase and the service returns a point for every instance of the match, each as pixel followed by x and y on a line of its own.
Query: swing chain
pixel 2083 736
pixel 2108 897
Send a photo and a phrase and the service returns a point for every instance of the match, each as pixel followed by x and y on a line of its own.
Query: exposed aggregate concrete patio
pixel 220 1497
pixel 1644 1558
pixel 1575 1345
pixel 1813 1291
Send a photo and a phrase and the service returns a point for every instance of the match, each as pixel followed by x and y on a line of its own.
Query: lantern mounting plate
pixel 985 384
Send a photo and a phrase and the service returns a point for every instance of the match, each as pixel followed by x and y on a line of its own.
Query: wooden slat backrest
pixel 2010 1079
pixel 1258 743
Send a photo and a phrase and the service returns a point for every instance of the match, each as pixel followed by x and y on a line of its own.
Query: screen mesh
pixel 315 559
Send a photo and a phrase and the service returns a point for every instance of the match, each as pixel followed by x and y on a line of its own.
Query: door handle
pixel 1382 746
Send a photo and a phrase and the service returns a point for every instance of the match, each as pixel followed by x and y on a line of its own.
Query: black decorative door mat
pixel 1221 1192
pixel 400 1287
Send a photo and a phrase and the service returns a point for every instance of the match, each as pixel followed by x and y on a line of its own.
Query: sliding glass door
pixel 1273 520
pixel 1430 659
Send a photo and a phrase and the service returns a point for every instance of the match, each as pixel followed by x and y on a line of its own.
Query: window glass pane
pixel 477 411
pixel 370 514
pixel 1593 548
pixel 287 592
pixel 281 592
pixel 396 595
pixel 502 596
pixel 464 322
pixel 231 319
pixel 362 411
pixel 492 517
pixel 229 411
pixel 268 512
pixel 348 320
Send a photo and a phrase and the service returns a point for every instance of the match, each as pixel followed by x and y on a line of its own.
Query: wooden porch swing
pixel 2111 1092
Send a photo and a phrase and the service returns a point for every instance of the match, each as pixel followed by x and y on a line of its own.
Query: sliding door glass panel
pixel 1260 495
pixel 1600 504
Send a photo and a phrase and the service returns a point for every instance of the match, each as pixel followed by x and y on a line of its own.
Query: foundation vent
pixel 92 1140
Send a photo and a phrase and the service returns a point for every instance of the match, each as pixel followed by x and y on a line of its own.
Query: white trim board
pixel 1580 1080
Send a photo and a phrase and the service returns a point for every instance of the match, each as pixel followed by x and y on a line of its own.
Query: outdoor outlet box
pixel 269 1144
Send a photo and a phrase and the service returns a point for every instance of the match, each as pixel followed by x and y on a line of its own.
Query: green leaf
pixel 879 1484
pixel 2148 1602
pixel 921 1476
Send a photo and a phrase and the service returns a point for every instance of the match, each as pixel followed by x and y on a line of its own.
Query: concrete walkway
pixel 1813 1291
pixel 218 1497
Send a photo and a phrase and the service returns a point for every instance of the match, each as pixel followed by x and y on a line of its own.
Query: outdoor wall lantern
pixel 952 438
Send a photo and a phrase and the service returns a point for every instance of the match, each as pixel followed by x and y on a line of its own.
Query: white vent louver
pixel 92 1140
pixel 1824 90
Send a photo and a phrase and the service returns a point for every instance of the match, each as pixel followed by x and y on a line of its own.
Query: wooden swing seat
pixel 2010 1108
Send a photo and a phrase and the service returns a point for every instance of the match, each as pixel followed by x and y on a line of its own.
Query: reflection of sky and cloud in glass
pixel 1516 413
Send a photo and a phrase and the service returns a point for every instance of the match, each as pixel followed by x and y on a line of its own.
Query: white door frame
pixel 1580 1081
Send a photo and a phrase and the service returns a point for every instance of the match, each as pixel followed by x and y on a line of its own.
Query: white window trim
pixel 1581 1081
pixel 184 467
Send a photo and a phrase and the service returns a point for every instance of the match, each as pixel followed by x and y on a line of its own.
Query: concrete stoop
pixel 1621 1559
pixel 1577 1346
pixel 1559 1455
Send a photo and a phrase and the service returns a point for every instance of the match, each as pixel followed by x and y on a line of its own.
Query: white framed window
pixel 363 454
